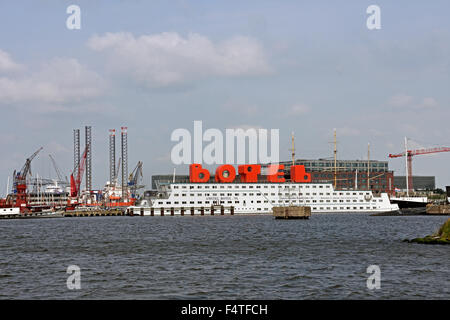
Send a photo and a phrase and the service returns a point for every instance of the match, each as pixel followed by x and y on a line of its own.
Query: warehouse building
pixel 420 183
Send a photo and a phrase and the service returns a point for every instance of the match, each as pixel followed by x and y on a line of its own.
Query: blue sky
pixel 302 66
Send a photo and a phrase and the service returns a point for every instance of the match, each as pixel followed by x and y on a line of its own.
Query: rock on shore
pixel 442 236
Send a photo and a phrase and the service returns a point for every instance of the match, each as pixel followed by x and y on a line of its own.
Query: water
pixel 222 257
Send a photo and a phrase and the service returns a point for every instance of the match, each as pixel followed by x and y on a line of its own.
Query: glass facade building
pixel 371 175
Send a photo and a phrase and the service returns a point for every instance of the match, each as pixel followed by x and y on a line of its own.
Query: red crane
pixel 409 154
pixel 75 183
pixel 20 183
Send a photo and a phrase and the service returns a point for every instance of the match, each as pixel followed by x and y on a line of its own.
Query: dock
pixel 182 211
pixel 292 212
pixel 93 213
pixel 438 209
pixel 33 215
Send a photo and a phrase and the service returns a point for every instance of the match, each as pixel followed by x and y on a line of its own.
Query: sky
pixel 155 66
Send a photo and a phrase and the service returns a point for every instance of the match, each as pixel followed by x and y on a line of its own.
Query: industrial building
pixel 420 182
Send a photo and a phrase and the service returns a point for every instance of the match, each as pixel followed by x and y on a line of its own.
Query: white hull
pixel 9 211
pixel 251 198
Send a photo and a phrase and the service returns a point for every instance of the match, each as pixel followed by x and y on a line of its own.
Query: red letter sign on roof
pixel 298 174
pixel 274 173
pixel 249 172
pixel 221 173
pixel 197 173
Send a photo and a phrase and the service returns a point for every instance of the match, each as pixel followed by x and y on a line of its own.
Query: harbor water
pixel 222 257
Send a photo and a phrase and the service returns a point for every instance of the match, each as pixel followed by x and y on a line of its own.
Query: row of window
pixel 252 201
pixel 267 194
pixel 342 208
pixel 243 186
pixel 342 164
pixel 206 210
pixel 342 175
pixel 314 208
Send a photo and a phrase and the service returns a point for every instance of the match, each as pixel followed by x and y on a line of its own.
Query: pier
pixel 94 213
pixel 436 209
pixel 32 215
pixel 292 212
pixel 181 211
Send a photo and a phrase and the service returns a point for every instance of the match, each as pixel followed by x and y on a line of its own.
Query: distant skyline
pixel 155 66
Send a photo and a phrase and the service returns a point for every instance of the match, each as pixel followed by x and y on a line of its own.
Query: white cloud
pixel 8 139
pixel 7 64
pixel 405 101
pixel 243 108
pixel 165 158
pixel 58 84
pixel 299 109
pixel 428 103
pixel 246 127
pixel 376 133
pixel 400 100
pixel 409 129
pixel 390 145
pixel 348 132
pixel 167 58
pixel 55 147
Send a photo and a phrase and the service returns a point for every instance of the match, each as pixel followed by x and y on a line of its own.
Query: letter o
pixel 225 173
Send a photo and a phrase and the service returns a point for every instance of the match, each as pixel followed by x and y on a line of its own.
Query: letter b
pixel 197 173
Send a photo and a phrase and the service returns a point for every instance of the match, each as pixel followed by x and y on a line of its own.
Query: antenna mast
pixel 293 149
pixel 7 188
pixel 335 160
pixel 407 171
pixel 368 166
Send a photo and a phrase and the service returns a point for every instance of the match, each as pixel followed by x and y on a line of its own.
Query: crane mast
pixel 21 176
pixel 58 172
pixel 408 154
pixel 75 183
pixel 134 178
pixel 20 182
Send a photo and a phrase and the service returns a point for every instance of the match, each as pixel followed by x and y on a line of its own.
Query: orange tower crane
pixel 409 154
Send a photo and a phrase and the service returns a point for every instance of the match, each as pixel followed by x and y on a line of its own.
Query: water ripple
pixel 240 257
